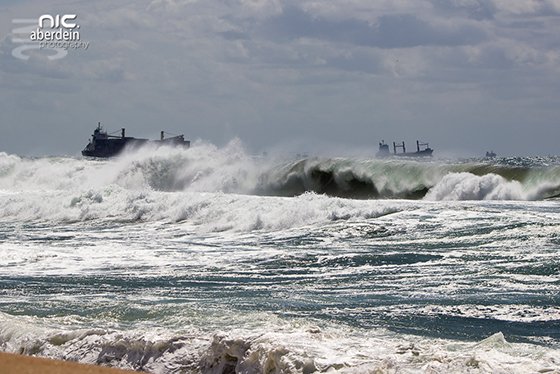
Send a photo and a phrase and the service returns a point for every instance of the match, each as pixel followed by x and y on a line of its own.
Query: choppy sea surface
pixel 209 260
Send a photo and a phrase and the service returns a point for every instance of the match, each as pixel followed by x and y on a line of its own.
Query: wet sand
pixel 19 364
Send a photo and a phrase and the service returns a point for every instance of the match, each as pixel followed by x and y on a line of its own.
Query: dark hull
pixel 113 146
pixel 424 153
pixel 384 150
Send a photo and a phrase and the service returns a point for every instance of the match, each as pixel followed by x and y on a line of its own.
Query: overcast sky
pixel 465 75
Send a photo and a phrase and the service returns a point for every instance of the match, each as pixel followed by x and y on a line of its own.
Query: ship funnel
pixel 161 135
pixel 122 132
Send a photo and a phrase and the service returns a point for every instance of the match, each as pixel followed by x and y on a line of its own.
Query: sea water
pixel 209 260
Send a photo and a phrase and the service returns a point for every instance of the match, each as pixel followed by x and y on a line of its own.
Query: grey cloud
pixel 119 19
pixel 357 61
pixel 474 9
pixel 337 71
pixel 390 31
pixel 234 35
pixel 495 9
pixel 105 70
pixel 38 63
pixel 38 67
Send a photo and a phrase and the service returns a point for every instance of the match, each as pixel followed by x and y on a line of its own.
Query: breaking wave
pixel 396 179
pixel 207 168
pixel 286 348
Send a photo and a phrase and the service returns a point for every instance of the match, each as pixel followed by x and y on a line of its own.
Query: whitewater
pixel 212 260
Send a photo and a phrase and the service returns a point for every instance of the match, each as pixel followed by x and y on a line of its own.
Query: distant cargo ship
pixel 384 151
pixel 105 145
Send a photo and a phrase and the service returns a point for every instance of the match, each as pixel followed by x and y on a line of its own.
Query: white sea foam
pixel 164 255
pixel 165 261
pixel 207 168
pixel 281 347
pixel 208 211
pixel 466 186
pixel 203 167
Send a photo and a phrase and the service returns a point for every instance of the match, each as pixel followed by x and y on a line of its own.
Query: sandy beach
pixel 18 364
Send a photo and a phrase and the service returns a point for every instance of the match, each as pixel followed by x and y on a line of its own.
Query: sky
pixel 466 76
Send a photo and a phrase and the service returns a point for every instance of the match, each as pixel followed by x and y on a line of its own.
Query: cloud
pixel 340 70
pixel 111 70
pixel 119 18
pixel 38 64
pixel 388 31
pixel 527 7
pixel 472 9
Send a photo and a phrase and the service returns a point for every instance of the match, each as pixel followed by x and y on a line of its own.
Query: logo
pixel 58 21
pixel 55 34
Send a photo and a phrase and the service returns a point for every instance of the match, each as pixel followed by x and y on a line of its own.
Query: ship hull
pixel 105 148
pixel 384 150
pixel 111 147
pixel 423 153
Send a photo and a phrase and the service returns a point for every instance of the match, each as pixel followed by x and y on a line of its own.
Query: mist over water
pixel 206 168
pixel 212 260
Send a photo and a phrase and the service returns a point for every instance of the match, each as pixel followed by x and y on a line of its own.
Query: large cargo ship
pixel 422 150
pixel 107 145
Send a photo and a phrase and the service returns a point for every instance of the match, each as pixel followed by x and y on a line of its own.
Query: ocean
pixel 211 260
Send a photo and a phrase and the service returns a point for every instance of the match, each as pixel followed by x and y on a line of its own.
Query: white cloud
pixel 526 7
pixel 111 71
pixel 518 7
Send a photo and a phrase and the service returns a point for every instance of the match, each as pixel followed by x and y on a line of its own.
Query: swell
pixel 206 168
pixel 381 179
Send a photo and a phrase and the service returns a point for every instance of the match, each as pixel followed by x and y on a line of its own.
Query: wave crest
pixel 467 186
pixel 207 168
